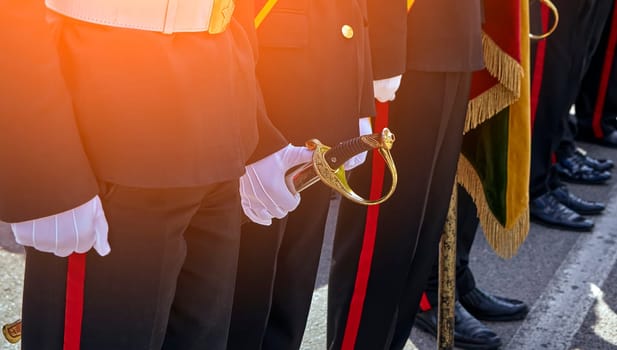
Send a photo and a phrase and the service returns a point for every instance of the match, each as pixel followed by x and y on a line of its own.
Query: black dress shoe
pixel 469 333
pixel 547 210
pixel 488 307
pixel 572 169
pixel 576 203
pixel 599 164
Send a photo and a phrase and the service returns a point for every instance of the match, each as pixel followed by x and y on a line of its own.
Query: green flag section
pixel 494 162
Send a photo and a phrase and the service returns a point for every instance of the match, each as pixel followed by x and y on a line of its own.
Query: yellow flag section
pixel 494 163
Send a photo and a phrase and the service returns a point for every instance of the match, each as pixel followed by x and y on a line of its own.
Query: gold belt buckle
pixel 222 11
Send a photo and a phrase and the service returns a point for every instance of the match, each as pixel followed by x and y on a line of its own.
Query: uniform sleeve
pixel 388 36
pixel 43 167
pixel 270 138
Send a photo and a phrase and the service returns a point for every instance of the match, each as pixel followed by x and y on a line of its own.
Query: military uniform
pixel 567 57
pixel 590 89
pixel 315 72
pixel 159 122
pixel 443 49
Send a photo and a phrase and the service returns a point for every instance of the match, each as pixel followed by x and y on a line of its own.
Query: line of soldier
pixel 147 129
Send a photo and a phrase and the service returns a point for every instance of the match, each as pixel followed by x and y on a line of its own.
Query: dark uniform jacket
pixel 455 47
pixel 81 102
pixel 315 76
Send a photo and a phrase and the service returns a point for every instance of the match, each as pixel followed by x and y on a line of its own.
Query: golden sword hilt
pixel 555 12
pixel 327 165
pixel 12 331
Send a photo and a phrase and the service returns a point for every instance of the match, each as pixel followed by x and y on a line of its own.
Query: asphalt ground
pixel 569 279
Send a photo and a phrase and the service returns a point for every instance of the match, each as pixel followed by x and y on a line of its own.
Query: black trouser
pixel 427 116
pixel 586 100
pixel 567 55
pixel 167 283
pixel 276 276
pixel 466 226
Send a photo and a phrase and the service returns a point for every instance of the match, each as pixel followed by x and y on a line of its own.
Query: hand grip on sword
pixel 327 165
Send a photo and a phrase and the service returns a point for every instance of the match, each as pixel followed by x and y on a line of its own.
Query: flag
pixel 495 158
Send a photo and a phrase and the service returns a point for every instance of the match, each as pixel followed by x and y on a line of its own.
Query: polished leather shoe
pixel 547 209
pixel 573 169
pixel 599 164
pixel 469 333
pixel 576 203
pixel 486 307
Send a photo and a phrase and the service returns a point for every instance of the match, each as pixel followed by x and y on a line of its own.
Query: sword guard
pixel 320 168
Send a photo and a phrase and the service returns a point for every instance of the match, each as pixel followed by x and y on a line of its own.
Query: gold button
pixel 347 31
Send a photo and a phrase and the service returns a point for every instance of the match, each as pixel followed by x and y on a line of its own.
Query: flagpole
pixel 447 278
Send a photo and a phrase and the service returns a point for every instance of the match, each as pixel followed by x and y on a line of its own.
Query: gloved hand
pixel 385 89
pixel 75 230
pixel 365 129
pixel 264 194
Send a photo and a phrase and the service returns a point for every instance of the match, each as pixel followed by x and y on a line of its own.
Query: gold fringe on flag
pixel 505 241
pixel 511 91
pixel 484 106
pixel 509 74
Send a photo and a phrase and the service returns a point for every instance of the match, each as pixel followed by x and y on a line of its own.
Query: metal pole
pixel 447 279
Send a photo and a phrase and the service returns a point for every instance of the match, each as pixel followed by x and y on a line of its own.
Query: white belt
pixel 167 16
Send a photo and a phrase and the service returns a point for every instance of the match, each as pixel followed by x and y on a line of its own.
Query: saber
pixel 327 165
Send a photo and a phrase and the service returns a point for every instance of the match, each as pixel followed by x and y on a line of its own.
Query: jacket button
pixel 347 31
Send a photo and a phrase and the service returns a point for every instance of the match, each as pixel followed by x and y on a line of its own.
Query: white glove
pixel 365 129
pixel 263 191
pixel 385 89
pixel 75 230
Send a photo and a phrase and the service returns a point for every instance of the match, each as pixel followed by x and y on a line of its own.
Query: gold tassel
pixel 505 241
pixel 484 106
pixel 508 72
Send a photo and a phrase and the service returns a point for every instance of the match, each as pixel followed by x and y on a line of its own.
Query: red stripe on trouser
pixel 368 244
pixel 73 312
pixel 538 70
pixel 606 72
pixel 425 305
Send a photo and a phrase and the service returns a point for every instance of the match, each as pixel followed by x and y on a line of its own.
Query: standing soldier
pixel 317 80
pixel 556 87
pixel 140 116
pixel 376 282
